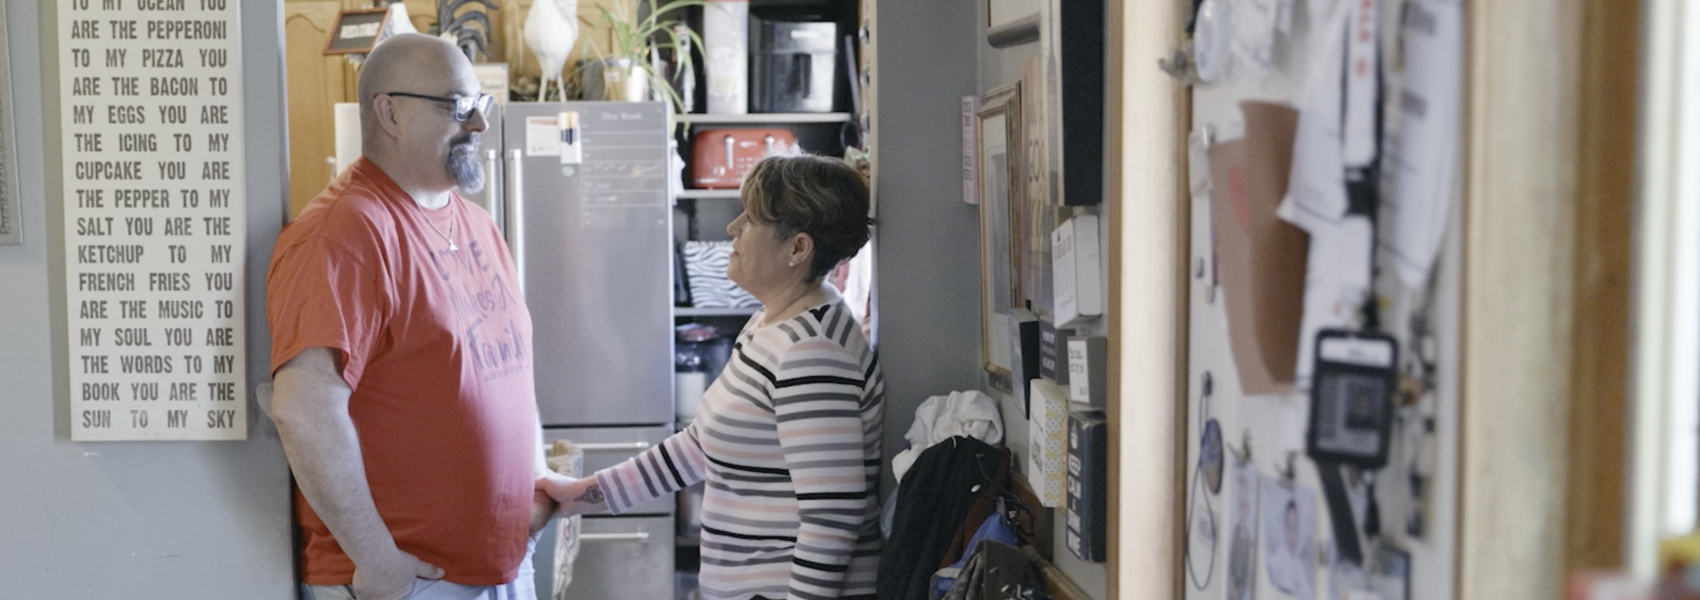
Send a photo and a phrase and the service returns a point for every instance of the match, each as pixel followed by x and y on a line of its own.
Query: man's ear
pixel 383 107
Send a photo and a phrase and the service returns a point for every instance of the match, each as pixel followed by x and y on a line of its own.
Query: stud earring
pixel 792 263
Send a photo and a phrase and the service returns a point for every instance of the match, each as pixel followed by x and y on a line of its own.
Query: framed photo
pixel 1012 22
pixel 356 31
pixel 11 223
pixel 1000 143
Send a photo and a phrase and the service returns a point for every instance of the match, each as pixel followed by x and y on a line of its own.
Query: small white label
pixel 542 136
pixel 1366 352
pixel 1079 385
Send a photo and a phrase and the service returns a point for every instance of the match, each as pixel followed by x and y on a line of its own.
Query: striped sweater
pixel 788 439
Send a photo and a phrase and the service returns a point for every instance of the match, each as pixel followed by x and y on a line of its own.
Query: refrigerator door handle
pixel 638 537
pixel 606 447
pixel 514 213
pixel 492 193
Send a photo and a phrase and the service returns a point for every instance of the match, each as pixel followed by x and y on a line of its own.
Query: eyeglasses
pixel 463 106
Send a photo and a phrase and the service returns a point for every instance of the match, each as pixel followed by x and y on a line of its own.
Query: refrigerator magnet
pixel 572 150
pixel 542 136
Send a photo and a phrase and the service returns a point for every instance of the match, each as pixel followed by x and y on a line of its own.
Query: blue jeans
pixel 523 587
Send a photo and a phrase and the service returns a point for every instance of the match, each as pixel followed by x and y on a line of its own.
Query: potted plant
pixel 627 68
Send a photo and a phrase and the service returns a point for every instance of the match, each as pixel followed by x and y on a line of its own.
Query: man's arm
pixel 542 506
pixel 310 407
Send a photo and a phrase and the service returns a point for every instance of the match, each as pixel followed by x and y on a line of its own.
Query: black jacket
pixel 932 501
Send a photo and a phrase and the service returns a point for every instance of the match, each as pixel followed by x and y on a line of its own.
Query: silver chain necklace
pixel 446 236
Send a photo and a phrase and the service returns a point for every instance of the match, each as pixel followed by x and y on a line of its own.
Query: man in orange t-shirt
pixel 401 349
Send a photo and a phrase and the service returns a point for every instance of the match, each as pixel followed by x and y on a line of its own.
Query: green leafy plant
pixel 638 36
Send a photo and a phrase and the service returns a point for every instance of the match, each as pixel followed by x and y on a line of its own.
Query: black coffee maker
pixel 793 65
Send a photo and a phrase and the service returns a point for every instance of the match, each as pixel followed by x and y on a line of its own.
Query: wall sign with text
pixel 155 227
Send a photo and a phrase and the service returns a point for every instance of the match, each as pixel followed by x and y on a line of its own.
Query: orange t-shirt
pixel 436 345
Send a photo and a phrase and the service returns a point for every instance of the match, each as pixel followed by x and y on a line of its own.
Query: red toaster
pixel 721 157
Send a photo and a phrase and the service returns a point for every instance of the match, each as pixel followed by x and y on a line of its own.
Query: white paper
pixel 542 136
pixel 1362 97
pixel 970 149
pixel 1337 279
pixel 1424 157
pixel 1316 188
pixel 155 221
pixel 1254 24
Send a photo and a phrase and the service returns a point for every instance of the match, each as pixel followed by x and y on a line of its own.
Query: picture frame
pixel 1012 22
pixel 1000 181
pixel 11 218
pixel 356 31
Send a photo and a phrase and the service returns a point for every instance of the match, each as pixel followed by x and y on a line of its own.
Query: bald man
pixel 401 352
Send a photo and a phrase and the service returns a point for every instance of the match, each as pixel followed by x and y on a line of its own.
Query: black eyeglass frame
pixel 463 106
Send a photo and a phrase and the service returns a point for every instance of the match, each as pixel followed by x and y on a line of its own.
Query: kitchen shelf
pixel 707 119
pixel 708 194
pixel 682 311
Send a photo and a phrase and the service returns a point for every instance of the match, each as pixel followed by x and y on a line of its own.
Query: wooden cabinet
pixel 315 83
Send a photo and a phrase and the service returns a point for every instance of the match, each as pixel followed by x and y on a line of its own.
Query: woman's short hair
pixel 821 196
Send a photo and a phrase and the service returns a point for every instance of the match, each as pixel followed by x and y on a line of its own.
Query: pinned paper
pixel 1362 70
pixel 1337 282
pixel 1242 532
pixel 1288 514
pixel 1254 23
pixel 1424 163
pixel 1317 190
pixel 1262 259
pixel 542 136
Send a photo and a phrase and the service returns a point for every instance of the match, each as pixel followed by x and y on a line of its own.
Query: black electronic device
pixel 792 66
pixel 1351 395
pixel 1351 421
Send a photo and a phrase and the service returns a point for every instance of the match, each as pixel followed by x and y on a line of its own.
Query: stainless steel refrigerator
pixel 593 241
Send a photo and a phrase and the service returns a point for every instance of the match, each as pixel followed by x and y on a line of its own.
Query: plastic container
pixel 691 353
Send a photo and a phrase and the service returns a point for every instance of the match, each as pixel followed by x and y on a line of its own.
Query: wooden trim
pixel 1056 583
pixel 1520 224
pixel 1144 199
pixel 1599 380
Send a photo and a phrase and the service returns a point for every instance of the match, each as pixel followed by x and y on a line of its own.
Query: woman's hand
pixel 576 496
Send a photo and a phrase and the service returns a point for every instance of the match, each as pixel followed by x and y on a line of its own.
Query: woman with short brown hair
pixel 788 436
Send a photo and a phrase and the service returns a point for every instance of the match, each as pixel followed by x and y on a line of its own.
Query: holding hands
pixel 576 496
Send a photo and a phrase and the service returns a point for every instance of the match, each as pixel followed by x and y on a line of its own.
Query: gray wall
pixel 129 520
pixel 928 239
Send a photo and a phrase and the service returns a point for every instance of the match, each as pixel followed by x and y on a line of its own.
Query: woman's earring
pixel 792 263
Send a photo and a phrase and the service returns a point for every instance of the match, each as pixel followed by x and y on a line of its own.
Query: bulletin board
pixel 1295 229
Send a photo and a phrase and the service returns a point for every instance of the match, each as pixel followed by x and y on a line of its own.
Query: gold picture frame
pixel 999 146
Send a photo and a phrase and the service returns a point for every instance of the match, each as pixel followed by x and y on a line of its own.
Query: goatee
pixel 463 166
